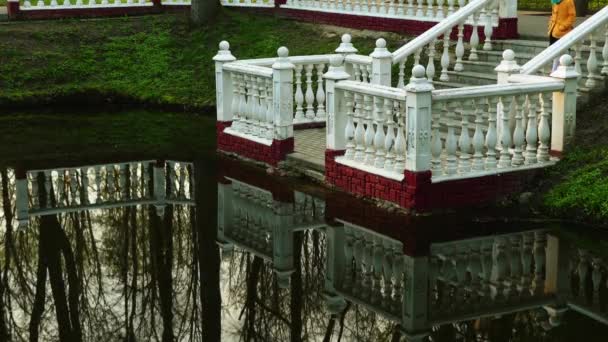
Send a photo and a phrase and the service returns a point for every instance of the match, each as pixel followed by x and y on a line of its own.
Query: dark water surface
pixel 209 249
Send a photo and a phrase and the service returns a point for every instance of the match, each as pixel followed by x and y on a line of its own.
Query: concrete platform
pixel 309 149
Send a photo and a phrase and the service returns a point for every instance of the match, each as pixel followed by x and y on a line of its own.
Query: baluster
pixel 378 256
pixel 350 126
pixel 262 108
pixel 269 110
pixel 359 130
pixel 478 162
pixel 499 266
pixel 357 5
pixel 515 262
pixel 430 68
pixel 486 270
pixel 451 142
pixel 605 53
pixel 320 92
pixel 387 269
pixel 445 57
pixel 526 261
pixel 474 40
pixel 122 180
pixel 582 272
pixel 48 188
pixel 464 143
pixel 577 60
pixel 182 180
pixel 505 134
pixel 390 134
pixel 358 250
pixel 398 271
pixel 110 181
pixel 73 186
pixel 310 97
pixel 368 74
pixel 591 64
pixel 243 105
pixel 419 11
pixel 234 106
pixel 475 270
pixel 487 30
pixel 400 142
pixel 544 132
pixel 430 13
pixel 417 56
pixel 364 76
pixel 54 3
pixel 450 7
pixel 356 72
pixel 372 7
pixel 436 145
pixel 401 82
pixel 410 7
pixel 518 134
pixel 540 241
pixel 369 130
pixel 254 108
pixel 596 278
pixel 531 132
pixel 299 96
pixel 459 48
pixel 440 15
pixel 364 6
pixel 491 135
pixel 379 137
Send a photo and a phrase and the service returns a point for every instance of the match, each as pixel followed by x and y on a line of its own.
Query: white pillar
pixel 224 215
pixel 223 83
pixel 282 244
pixel 508 66
pixel 416 297
pixel 346 48
pixel 507 8
pixel 382 61
pixel 335 267
pixel 160 187
pixel 419 93
pixel 283 95
pixel 563 116
pixel 336 115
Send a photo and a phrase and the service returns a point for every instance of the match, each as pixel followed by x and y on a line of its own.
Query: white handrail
pixel 496 90
pixel 373 89
pixel 578 33
pixel 431 34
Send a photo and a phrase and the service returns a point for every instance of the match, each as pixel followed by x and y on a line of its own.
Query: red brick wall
pixel 14 11
pixel 416 190
pixel 270 155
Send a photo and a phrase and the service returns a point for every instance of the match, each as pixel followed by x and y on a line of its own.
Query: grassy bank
pixel 156 60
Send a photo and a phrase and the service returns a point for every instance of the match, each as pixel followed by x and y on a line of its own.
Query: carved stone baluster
pixel 515 260
pixel 430 67
pixel 389 141
pixel 464 142
pixel 451 142
pixel 486 272
pixel 474 268
pixel 430 13
pixel 420 10
pixel 544 132
pixel 591 64
pixel 400 142
pixel 605 53
pixel 370 153
pixel 436 144
pixel 262 108
pixel 378 258
pixel 505 132
pixel 499 268
pixel 368 73
pixel 581 270
pixel 401 81
pixel 387 268
pixel 357 72
pixel 398 270
pixel 360 129
pixel 410 7
pixel 596 278
pixel 310 96
pixel 254 108
pixel 269 110
pixel 350 126
pixel 478 161
pixel 450 7
pixel 440 14
pixel 417 56
pixel 320 93
pixel 445 57
pixel 577 60
pixel 382 106
pixel 531 132
pixel 299 96
pixel 540 242
pixel 526 262
pixel 488 30
pixel 48 187
pixel 459 48
pixel 474 40
pixel 518 134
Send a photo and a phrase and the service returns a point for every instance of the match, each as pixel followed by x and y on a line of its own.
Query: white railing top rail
pixel 308 59
pixel 248 69
pixel 496 90
pixel 59 169
pixel 358 59
pixel 461 15
pixel 577 34
pixel 373 89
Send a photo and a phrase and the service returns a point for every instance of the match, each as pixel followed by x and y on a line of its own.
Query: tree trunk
pixel 203 11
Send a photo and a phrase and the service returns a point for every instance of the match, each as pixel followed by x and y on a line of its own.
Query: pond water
pixel 140 249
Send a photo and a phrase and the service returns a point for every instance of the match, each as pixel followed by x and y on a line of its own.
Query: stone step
pixel 472 78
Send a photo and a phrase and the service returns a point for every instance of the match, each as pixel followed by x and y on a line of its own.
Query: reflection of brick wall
pixel 507 27
pixel 416 190
pixel 270 155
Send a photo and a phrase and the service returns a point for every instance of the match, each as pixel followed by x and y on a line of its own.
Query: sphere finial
pixel 418 71
pixel 346 38
pixel 381 43
pixel 565 60
pixel 224 45
pixel 508 55
pixel 283 52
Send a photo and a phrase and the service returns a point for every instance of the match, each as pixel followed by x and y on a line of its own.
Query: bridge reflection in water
pixel 134 251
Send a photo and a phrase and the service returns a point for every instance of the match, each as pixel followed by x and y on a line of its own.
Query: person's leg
pixel 552 40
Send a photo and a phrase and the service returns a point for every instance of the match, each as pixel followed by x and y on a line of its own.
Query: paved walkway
pixel 309 148
pixel 533 25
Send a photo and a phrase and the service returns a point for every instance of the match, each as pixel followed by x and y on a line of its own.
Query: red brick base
pixel 270 155
pixel 416 190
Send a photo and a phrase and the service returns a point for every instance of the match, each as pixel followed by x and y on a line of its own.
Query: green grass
pixel 157 60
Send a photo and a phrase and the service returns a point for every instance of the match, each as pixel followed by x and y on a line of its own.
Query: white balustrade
pixel 248 3
pixel 582 43
pixel 477 13
pixel 82 4
pixel 589 271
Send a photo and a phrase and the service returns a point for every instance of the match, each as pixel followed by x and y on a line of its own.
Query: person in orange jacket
pixel 562 19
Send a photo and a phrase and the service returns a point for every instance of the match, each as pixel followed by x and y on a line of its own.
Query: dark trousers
pixel 552 39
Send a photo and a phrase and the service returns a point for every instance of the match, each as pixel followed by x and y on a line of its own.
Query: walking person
pixel 562 20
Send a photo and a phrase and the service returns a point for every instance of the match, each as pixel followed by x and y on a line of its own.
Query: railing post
pixel 283 244
pixel 160 187
pixel 224 214
pixel 22 198
pixel 416 296
pixel 419 93
pixel 382 61
pixel 557 277
pixel 283 95
pixel 223 83
pixel 346 48
pixel 507 8
pixel 507 67
pixel 336 116
pixel 563 116
pixel 335 265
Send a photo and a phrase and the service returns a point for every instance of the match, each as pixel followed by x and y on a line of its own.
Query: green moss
pixel 151 59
